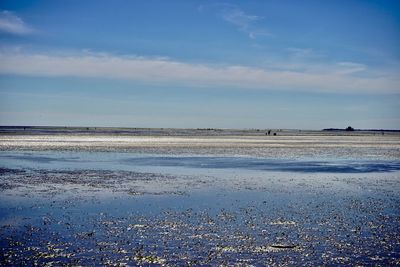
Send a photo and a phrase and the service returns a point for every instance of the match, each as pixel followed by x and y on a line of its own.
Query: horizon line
pixel 197 128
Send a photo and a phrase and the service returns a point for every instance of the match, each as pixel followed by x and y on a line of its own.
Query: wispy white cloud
pixel 351 67
pixel 239 18
pixel 11 23
pixel 235 16
pixel 244 22
pixel 330 78
pixel 307 60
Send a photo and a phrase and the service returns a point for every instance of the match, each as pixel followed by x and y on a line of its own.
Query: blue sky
pixel 232 64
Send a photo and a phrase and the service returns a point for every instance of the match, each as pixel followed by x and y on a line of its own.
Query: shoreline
pixel 122 131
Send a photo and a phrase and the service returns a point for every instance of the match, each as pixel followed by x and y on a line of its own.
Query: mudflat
pixel 131 197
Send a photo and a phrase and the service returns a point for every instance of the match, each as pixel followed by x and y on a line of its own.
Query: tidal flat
pixel 169 197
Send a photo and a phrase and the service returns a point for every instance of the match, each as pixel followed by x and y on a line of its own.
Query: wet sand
pixel 112 199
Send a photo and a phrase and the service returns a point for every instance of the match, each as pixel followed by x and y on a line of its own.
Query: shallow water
pixel 169 205
pixel 135 162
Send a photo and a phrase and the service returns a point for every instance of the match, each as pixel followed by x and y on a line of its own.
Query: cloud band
pixel 169 72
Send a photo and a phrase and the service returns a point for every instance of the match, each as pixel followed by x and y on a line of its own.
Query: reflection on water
pixel 132 162
pixel 268 165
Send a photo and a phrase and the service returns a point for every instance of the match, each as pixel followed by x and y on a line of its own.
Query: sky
pixel 200 64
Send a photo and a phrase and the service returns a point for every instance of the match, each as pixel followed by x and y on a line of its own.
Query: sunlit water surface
pixel 199 201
